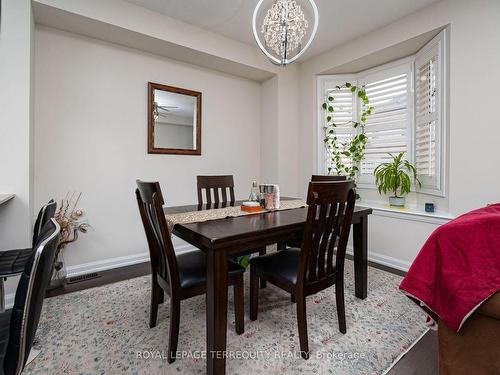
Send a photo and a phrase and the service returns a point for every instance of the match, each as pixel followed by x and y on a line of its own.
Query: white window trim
pixel 439 42
pixel 325 82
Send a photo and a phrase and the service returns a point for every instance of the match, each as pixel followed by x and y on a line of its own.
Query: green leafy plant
pixel 395 176
pixel 353 149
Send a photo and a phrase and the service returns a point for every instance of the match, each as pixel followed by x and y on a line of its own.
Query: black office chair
pixel 18 326
pixel 12 262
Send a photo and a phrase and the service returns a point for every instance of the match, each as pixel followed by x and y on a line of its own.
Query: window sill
pixel 410 212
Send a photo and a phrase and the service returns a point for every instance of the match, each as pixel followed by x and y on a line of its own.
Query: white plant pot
pixel 397 201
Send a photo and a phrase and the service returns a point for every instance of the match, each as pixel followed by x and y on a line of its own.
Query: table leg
pixel 216 303
pixel 360 242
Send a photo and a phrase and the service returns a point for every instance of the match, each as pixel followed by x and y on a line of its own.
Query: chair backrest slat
pixel 325 240
pixel 211 185
pixel 216 196
pixel 329 217
pixel 161 250
pixel 224 195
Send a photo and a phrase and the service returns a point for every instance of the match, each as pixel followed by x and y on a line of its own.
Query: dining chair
pixel 314 178
pixel 312 268
pixel 12 262
pixel 181 276
pixel 211 185
pixel 18 325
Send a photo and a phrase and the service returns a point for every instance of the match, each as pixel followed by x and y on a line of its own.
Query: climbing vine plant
pixel 354 147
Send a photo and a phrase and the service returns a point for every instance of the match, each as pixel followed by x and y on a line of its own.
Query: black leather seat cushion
pixel 193 268
pixel 13 261
pixel 282 264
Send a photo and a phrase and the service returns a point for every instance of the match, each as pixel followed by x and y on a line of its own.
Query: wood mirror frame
pixel 151 120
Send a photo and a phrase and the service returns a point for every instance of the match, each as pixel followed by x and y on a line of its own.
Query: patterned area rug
pixel 105 331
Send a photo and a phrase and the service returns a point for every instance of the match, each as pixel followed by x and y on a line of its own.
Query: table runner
pixel 222 213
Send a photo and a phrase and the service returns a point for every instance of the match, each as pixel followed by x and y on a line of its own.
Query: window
pixel 408 98
pixel 429 123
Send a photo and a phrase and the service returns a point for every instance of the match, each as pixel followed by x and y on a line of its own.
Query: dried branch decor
pixel 71 219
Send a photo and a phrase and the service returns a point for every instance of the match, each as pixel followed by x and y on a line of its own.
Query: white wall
pixel 269 130
pixel 279 131
pixel 86 141
pixel 474 62
pixel 15 125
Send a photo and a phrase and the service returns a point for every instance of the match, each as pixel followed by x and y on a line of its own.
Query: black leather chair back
pixel 163 259
pixel 28 302
pixel 46 213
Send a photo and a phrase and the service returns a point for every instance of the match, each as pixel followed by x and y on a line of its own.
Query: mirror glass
pixel 174 120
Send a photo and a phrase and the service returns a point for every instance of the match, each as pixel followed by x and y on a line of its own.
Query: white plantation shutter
pixel 388 127
pixel 428 115
pixel 408 96
pixel 343 112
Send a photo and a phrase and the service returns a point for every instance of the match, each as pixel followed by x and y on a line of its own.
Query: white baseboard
pixel 385 260
pixel 108 264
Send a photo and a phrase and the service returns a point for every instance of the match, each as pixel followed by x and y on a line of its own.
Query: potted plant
pixel 395 177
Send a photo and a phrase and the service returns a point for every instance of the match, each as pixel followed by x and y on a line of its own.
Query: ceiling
pixel 340 20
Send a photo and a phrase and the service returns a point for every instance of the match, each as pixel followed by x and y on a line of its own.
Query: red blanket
pixel 458 268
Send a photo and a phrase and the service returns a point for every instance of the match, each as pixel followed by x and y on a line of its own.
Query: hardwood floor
pixel 421 359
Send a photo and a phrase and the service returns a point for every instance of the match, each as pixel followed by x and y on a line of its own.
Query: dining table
pixel 231 237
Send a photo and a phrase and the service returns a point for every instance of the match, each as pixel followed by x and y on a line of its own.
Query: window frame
pixel 328 82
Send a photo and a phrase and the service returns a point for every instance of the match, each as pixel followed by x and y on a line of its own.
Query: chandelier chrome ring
pixel 274 59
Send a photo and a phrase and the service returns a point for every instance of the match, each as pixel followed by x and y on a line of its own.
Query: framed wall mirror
pixel 174 120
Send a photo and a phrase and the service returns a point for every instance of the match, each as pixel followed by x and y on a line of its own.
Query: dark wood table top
pixel 228 232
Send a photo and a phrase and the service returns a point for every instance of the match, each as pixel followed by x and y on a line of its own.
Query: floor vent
pixel 80 278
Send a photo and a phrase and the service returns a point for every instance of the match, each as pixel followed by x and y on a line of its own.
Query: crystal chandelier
pixel 284 29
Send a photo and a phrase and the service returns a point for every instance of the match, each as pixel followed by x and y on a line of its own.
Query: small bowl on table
pixel 251 207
